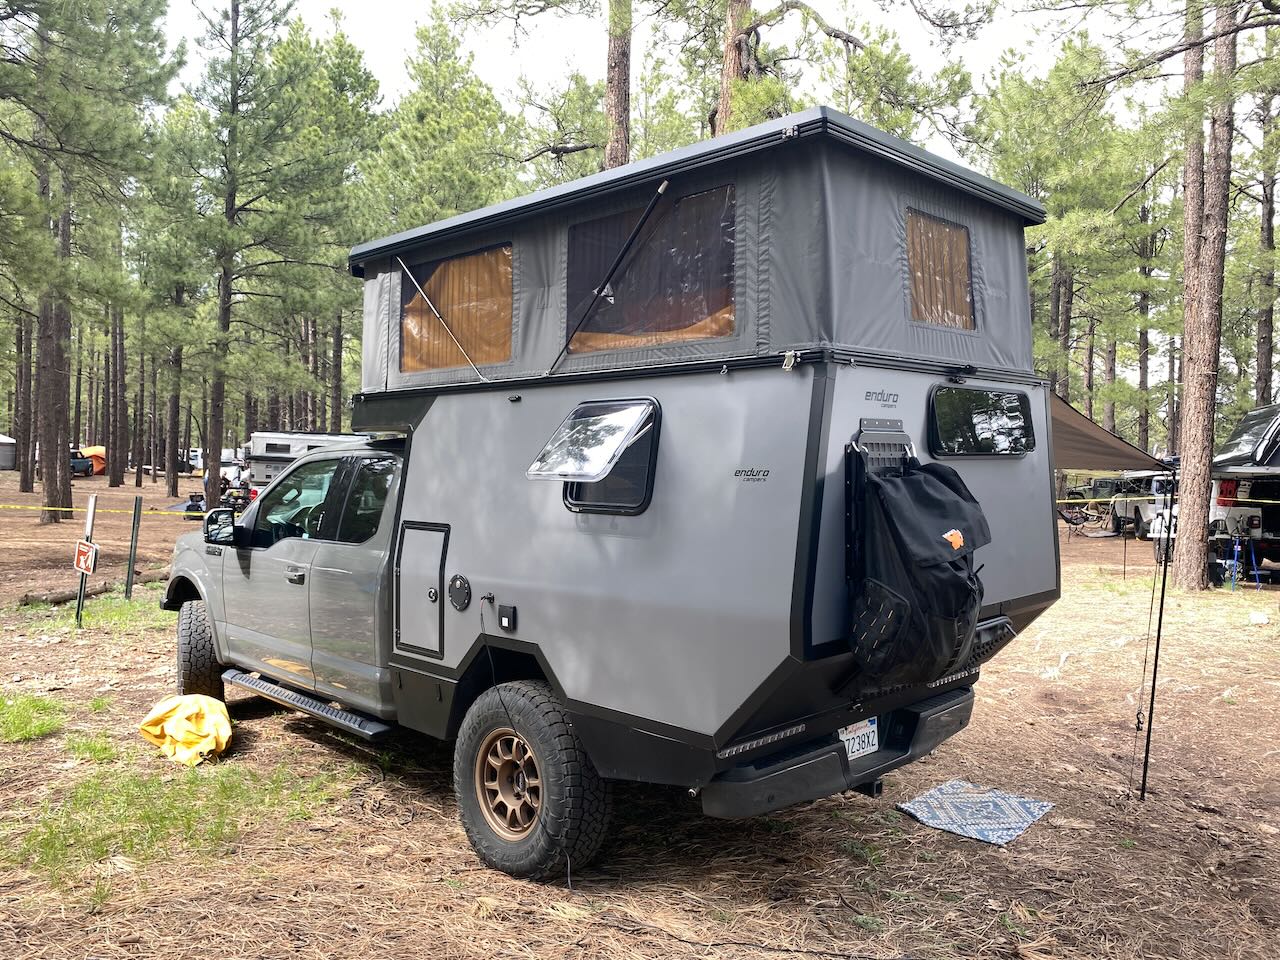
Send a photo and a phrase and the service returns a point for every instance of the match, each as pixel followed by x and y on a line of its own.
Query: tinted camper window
pixel 675 285
pixel 472 294
pixel 979 423
pixel 941 279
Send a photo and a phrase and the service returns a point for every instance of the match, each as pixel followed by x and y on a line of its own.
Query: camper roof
pixel 819 122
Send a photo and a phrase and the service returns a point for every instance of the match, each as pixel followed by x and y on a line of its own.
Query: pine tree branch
pixel 776 15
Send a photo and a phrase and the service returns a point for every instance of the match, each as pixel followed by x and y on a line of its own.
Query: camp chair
pixel 1076 518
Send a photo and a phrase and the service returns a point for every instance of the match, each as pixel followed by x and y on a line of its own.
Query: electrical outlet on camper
pixel 507 618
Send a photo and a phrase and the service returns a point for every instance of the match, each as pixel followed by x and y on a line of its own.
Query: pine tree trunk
pixel 119 450
pixel 54 375
pixel 617 85
pixel 78 389
pixel 1055 321
pixel 138 407
pixel 1068 294
pixel 226 277
pixel 736 15
pixel 25 409
pixel 153 432
pixel 1267 237
pixel 1088 371
pixel 176 428
pixel 1146 252
pixel 335 374
pixel 1108 382
pixel 1202 335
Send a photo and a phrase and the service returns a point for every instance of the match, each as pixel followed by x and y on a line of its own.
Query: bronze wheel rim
pixel 508 784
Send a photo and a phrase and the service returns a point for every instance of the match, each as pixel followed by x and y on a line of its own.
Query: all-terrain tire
pixel 198 667
pixel 572 819
pixel 1141 528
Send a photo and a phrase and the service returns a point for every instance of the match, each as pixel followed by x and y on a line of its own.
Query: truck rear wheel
pixel 529 797
pixel 198 667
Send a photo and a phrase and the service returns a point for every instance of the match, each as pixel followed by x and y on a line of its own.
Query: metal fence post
pixel 133 548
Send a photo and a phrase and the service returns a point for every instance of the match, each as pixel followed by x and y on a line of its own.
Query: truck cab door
pixel 351 615
pixel 266 584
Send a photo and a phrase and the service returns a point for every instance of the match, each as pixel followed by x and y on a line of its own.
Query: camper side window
pixel 676 284
pixel 941 277
pixel 966 422
pixel 605 451
pixel 457 310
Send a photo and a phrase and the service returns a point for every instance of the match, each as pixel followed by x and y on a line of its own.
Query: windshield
pixel 1244 438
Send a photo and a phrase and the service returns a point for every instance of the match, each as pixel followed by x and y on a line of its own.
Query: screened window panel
pixel 941 279
pixel 676 285
pixel 473 295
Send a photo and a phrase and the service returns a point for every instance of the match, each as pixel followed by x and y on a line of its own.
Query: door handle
pixel 295 575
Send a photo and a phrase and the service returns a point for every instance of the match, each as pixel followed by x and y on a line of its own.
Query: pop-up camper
pixel 726 469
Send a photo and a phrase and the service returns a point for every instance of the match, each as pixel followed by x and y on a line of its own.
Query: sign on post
pixel 86 556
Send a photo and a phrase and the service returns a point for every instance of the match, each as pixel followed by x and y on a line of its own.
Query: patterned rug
pixel 971 811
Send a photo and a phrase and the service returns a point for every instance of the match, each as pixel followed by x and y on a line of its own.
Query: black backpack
pixel 915 592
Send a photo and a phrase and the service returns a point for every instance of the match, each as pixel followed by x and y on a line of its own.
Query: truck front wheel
pixel 529 797
pixel 198 668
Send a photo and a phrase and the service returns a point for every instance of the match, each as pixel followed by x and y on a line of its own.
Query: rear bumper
pixel 813 772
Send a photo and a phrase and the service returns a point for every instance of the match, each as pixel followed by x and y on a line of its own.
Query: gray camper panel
pixel 609 600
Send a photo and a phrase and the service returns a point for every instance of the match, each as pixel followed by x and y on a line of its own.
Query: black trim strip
pixel 810 520
pixel 400 413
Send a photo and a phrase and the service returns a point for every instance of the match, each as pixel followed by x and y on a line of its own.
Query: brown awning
pixel 1080 444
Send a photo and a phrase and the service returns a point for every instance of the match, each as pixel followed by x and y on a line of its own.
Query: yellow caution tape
pixel 178 514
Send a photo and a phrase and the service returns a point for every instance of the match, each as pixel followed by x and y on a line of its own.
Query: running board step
pixel 348 720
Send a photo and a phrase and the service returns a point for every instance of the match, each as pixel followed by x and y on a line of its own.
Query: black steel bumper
pixel 813 772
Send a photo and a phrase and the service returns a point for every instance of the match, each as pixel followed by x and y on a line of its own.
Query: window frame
pixel 934 436
pixel 574 325
pixel 407 282
pixel 569 488
pixel 918 209
pixel 328 528
pixel 352 471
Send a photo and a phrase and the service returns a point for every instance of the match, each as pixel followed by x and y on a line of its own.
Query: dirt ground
pixel 36 556
pixel 302 843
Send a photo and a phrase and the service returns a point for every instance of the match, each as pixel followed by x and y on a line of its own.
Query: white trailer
pixel 269 452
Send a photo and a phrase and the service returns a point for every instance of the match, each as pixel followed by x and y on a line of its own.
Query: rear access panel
pixel 420 560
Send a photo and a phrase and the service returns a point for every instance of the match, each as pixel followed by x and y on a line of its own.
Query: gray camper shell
pixel 809 302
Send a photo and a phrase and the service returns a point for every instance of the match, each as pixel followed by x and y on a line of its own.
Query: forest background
pixel 178 189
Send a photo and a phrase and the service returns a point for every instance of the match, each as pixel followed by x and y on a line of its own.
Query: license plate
pixel 861 738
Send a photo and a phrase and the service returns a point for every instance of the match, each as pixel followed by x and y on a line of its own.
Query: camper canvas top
pixel 812 234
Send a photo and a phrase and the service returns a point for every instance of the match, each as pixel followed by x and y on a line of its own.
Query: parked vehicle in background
pixel 1245 501
pixel 1136 499
pixel 269 452
pixel 81 466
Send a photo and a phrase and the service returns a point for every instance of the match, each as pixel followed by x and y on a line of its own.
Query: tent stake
pixel 1155 663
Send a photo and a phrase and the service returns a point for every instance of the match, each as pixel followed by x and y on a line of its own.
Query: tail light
pixel 253 494
pixel 1227 493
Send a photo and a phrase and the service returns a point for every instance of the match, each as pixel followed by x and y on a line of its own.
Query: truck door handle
pixel 295 575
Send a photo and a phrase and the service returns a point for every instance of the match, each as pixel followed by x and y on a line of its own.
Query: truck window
pixel 676 285
pixel 296 506
pixel 967 422
pixel 941 279
pixel 368 495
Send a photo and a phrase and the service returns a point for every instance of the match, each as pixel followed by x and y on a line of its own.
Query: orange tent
pixel 99 457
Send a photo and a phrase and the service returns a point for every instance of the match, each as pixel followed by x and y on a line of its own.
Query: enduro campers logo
pixel 886 398
pixel 752 474
pixel 955 538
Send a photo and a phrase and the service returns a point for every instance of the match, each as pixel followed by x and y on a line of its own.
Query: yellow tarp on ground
pixel 188 728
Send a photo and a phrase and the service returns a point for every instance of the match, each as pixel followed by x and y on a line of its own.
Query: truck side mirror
pixel 220 526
